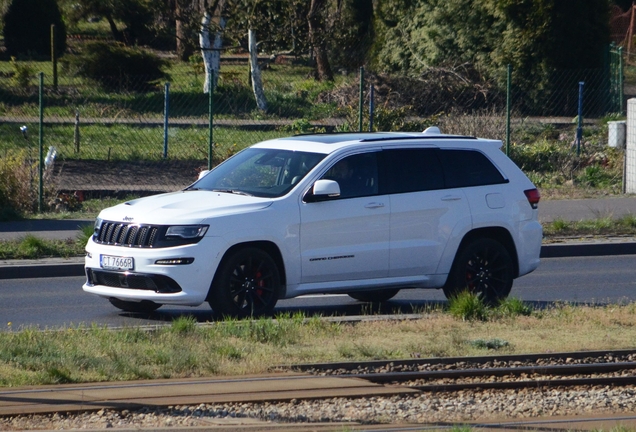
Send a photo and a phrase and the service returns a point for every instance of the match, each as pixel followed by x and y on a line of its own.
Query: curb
pixel 574 249
pixel 45 268
pixel 64 267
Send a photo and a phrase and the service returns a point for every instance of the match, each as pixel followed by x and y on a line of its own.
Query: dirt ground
pixel 97 177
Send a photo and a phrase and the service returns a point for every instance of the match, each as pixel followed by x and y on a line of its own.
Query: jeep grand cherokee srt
pixel 365 214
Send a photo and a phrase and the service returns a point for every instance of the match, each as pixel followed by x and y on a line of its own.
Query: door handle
pixel 451 198
pixel 374 205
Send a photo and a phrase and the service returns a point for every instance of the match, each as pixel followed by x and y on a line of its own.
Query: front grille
pixel 157 283
pixel 124 234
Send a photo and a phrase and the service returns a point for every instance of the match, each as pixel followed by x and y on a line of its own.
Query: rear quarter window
pixel 466 168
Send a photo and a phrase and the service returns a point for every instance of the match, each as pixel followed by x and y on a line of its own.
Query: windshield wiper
pixel 232 191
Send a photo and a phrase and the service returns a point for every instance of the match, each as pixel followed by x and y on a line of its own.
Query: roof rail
pixel 413 137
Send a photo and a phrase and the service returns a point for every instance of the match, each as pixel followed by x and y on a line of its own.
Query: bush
pixel 18 193
pixel 27 28
pixel 116 67
pixel 23 74
pixel 468 307
pixel 512 307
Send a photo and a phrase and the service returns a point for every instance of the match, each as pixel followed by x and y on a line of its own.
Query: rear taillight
pixel 533 196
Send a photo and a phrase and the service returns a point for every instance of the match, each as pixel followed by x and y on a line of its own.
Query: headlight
pixel 186 231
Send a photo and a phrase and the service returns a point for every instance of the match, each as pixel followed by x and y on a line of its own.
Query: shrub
pixel 116 67
pixel 18 193
pixel 468 307
pixel 512 307
pixel 22 73
pixel 27 28
pixel 597 176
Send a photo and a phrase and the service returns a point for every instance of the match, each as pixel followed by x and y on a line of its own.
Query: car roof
pixel 330 142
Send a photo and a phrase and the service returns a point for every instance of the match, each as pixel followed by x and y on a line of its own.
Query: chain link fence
pixel 127 136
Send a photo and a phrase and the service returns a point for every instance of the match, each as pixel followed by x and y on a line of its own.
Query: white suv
pixel 365 214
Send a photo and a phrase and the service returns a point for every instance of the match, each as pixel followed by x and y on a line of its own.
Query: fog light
pixel 175 261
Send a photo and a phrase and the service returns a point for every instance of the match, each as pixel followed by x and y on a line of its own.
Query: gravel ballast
pixel 424 408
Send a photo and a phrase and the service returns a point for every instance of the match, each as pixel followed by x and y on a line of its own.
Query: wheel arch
pixel 499 234
pixel 264 245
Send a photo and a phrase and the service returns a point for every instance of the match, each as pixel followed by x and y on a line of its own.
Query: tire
pixel 483 267
pixel 144 306
pixel 374 296
pixel 247 284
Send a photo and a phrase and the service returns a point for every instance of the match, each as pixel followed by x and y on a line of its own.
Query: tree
pixel 282 24
pixel 214 18
pixel 187 21
pixel 27 28
pixel 137 16
pixel 117 67
pixel 317 38
pixel 351 33
pixel 623 4
pixel 534 36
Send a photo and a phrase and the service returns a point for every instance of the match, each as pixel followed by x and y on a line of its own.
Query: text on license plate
pixel 117 263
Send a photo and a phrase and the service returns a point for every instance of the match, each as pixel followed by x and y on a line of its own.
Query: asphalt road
pixel 56 302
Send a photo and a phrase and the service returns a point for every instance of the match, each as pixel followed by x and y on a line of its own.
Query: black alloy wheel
pixel 247 284
pixel 143 306
pixel 484 267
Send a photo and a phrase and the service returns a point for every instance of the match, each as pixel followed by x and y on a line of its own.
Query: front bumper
pixel 179 284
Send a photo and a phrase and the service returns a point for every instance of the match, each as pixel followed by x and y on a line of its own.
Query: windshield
pixel 259 172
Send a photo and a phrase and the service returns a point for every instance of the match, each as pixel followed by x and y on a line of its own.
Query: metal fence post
pixel 371 107
pixel 361 104
pixel 76 132
pixel 41 144
pixel 166 114
pixel 210 123
pixel 508 89
pixel 579 128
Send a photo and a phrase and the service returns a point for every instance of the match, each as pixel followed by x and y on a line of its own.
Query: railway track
pixel 294 394
pixel 573 369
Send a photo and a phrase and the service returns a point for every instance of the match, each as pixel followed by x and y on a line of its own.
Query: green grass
pixel 603 226
pixel 31 247
pixel 184 348
pixel 468 307
pixel 119 142
pixel 95 353
pixel 289 91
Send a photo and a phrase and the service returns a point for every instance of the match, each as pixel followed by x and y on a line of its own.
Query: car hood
pixel 184 207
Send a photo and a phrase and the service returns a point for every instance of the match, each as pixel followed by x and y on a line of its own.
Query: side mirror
pixel 202 174
pixel 323 190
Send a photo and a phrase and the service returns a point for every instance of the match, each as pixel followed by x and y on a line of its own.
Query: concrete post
pixel 630 148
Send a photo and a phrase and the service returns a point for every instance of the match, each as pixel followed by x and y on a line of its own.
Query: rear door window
pixel 411 170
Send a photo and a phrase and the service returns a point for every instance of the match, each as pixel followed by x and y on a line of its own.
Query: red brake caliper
pixel 260 283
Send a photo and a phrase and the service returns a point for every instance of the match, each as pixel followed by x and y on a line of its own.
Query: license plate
pixel 109 262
